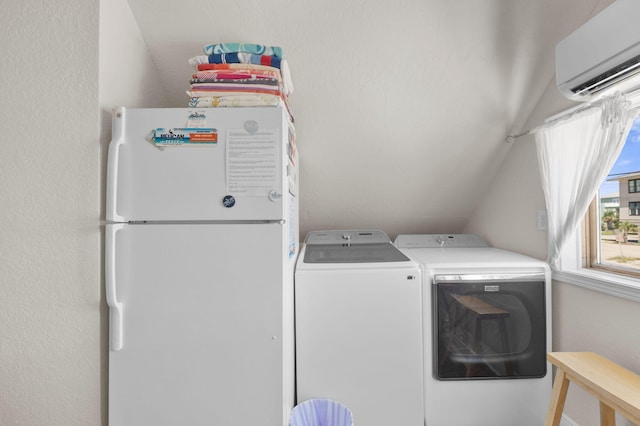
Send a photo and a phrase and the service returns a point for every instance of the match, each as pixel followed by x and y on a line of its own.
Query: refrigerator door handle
pixel 112 165
pixel 115 307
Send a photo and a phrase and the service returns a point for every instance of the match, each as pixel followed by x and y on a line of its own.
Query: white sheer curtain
pixel 574 156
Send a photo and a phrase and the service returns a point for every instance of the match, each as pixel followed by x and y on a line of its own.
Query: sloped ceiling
pixel 401 107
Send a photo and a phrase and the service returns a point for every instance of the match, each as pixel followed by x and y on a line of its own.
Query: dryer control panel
pixel 440 240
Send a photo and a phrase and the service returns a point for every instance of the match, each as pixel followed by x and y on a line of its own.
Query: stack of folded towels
pixel 238 75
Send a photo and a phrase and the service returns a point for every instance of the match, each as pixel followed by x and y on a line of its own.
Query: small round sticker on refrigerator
pixel 229 201
pixel 251 126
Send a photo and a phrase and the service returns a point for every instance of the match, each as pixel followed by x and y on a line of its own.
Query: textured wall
pixel 49 214
pixel 128 75
pixel 507 214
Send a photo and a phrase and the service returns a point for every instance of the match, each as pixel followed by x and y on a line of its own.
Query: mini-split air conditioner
pixel 603 52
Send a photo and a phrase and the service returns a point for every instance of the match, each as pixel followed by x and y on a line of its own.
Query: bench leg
pixel 558 396
pixel 504 337
pixel 607 415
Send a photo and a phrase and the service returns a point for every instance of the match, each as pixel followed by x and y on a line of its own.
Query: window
pixel 610 230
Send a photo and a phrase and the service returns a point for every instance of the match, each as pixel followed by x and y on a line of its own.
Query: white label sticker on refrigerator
pixel 252 166
pixel 197 118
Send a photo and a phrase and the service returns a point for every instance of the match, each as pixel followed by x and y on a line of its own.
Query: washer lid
pixel 351 246
pixel 353 253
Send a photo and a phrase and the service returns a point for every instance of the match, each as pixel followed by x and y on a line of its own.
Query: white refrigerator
pixel 200 246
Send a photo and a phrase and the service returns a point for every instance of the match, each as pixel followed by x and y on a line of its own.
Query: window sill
pixel 615 285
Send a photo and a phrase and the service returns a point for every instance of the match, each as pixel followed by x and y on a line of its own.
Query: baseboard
pixel 566 421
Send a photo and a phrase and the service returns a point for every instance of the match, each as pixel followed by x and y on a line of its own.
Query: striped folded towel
pixel 257 49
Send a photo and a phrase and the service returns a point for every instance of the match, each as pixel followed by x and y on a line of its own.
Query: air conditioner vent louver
pixel 610 77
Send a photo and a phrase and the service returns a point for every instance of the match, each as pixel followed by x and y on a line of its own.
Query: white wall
pixel 507 215
pixel 128 76
pixel 49 214
pixel 583 320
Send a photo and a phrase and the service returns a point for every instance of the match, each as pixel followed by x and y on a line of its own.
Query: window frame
pixel 590 250
pixel 575 269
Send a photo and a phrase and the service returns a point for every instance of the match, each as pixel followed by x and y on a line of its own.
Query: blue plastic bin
pixel 321 412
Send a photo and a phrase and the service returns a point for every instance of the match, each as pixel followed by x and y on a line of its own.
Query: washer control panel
pixel 370 236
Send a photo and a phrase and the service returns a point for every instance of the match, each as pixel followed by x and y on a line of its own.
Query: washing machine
pixel 487 327
pixel 358 311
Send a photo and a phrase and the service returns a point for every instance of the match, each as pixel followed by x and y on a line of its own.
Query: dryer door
pixel 489 326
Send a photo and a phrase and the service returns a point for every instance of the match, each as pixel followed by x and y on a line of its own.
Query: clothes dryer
pixel 487 330
pixel 358 310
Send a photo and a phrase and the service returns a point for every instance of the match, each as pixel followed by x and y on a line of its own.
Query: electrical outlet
pixel 542 220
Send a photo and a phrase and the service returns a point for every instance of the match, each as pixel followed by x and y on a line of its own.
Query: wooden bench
pixel 617 388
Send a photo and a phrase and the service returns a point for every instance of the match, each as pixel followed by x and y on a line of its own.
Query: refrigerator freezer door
pixel 245 175
pixel 202 329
